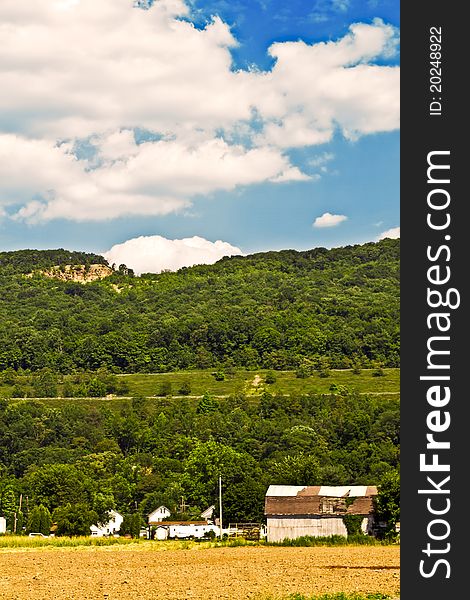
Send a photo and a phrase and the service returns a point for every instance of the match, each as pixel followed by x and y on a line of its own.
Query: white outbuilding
pixel 183 530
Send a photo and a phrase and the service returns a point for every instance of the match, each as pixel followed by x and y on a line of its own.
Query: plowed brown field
pixel 120 573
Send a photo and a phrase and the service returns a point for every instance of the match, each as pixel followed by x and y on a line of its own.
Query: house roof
pixel 207 514
pixel 159 509
pixel 319 500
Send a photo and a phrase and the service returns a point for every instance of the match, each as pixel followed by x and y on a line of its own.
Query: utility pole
pixel 220 505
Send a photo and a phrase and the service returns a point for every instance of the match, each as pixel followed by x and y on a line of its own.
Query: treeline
pixel 84 459
pixel 277 310
pixel 27 261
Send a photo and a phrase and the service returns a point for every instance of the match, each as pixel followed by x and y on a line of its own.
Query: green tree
pixel 45 384
pixel 207 404
pixel 301 469
pixel 131 525
pixel 218 375
pixel 103 504
pixel 96 388
pixel 164 389
pixel 243 486
pixel 19 522
pixel 388 500
pixel 45 520
pixel 302 372
pixel 39 520
pixel 7 498
pixel 342 390
pixel 34 519
pixel 18 391
pixel 9 376
pixel 185 388
pixel 55 485
pixel 270 377
pixel 74 519
pixel 274 310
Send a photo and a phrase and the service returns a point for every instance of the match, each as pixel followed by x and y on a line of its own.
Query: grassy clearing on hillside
pixel 253 382
pixel 250 383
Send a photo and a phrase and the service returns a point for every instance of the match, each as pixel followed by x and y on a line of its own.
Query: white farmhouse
pixel 110 528
pixel 3 525
pixel 157 516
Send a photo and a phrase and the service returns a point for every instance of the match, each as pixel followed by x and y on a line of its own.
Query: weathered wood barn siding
pixel 295 511
pixel 291 527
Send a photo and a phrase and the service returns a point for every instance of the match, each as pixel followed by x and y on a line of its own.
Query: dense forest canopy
pixel 90 458
pixel 276 310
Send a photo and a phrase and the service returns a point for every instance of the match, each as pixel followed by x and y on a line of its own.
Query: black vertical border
pixel 422 133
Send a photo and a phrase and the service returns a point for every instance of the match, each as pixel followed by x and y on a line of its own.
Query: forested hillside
pixel 276 310
pixel 72 459
pixel 27 261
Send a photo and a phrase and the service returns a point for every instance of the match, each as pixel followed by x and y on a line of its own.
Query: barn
pixel 295 511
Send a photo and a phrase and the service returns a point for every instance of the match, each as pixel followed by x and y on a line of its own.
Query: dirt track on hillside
pixel 119 573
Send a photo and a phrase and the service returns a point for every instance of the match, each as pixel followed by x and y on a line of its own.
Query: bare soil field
pixel 135 573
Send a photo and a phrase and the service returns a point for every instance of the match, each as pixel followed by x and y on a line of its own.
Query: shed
pixel 295 511
pixel 184 530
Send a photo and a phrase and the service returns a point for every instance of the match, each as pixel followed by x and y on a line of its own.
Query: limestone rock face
pixel 78 273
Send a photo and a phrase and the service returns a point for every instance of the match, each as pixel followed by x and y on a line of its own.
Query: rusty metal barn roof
pixel 334 491
pixel 319 500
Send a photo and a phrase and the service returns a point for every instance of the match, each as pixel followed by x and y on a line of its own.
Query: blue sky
pixel 245 122
pixel 259 23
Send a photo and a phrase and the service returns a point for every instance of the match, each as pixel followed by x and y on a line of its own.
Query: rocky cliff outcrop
pixel 78 273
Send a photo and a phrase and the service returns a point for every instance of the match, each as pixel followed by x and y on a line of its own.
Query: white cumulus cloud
pixel 80 69
pixel 152 178
pixel 393 233
pixel 153 254
pixel 329 220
